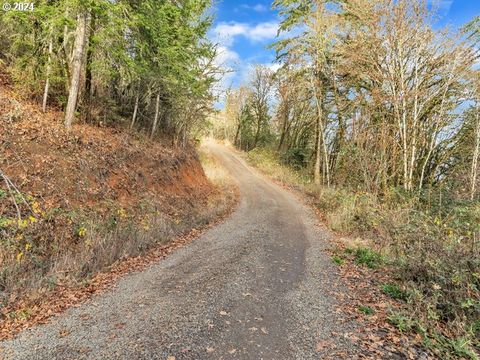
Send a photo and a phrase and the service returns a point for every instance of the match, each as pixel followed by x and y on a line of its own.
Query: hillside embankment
pixel 76 207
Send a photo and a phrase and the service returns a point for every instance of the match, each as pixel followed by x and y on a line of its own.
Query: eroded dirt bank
pixel 258 286
pixel 74 203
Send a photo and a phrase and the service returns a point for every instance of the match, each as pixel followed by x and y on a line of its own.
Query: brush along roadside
pixel 413 258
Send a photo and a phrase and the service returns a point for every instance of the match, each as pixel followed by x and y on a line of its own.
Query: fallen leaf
pixel 321 345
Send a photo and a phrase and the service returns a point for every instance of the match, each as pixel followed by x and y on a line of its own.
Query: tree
pixel 261 85
pixel 83 20
pixel 382 88
pixel 476 150
pixel 108 61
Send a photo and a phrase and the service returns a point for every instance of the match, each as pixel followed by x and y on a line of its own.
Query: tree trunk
pixel 88 72
pixel 47 81
pixel 476 155
pixel 155 120
pixel 321 141
pixel 135 110
pixel 318 154
pixel 284 128
pixel 257 132
pixel 237 135
pixel 66 54
pixel 78 53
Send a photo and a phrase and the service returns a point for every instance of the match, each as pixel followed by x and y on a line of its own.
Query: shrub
pixel 338 260
pixel 395 292
pixel 366 310
pixel 296 157
pixel 400 321
pixel 430 239
pixel 367 257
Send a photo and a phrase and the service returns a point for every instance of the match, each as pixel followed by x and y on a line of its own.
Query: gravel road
pixel 258 286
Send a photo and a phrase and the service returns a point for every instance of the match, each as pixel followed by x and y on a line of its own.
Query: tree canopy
pixel 104 61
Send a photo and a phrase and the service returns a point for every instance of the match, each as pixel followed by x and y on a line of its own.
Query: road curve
pixel 258 286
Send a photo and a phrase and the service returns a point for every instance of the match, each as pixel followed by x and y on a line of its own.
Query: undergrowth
pixel 50 247
pixel 430 240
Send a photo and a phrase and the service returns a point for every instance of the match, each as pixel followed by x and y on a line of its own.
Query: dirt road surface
pixel 258 286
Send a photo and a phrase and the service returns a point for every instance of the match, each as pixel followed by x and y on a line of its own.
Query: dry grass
pixel 270 165
pixel 214 171
pixel 45 265
pixel 218 176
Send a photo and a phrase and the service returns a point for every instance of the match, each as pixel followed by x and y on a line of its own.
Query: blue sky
pixel 243 29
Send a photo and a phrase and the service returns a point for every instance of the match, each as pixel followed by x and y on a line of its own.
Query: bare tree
pixel 135 110
pixel 155 119
pixel 48 70
pixel 476 152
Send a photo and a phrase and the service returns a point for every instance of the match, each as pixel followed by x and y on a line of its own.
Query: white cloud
pixel 226 32
pixel 225 35
pixel 263 31
pixel 228 60
pixel 260 8
pixel 226 55
pixel 274 66
pixel 442 5
pixel 445 4
pixel 257 7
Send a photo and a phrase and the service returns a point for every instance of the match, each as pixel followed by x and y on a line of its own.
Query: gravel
pixel 258 286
